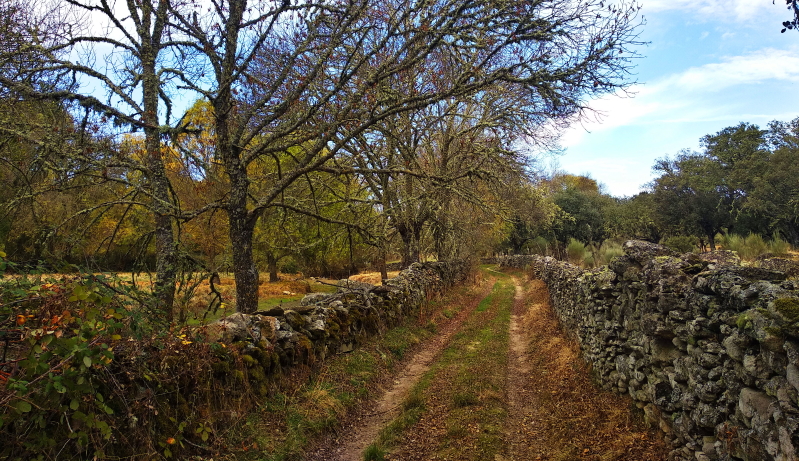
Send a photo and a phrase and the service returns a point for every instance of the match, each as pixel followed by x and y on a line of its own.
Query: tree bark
pixel 271 261
pixel 711 238
pixel 411 245
pixel 383 270
pixel 245 270
pixel 166 251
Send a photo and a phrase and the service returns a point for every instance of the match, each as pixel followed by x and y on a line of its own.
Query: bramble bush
pixel 86 372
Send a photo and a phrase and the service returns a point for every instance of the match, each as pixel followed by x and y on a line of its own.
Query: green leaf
pixel 74 404
pixel 23 406
pixel 204 436
pixel 87 361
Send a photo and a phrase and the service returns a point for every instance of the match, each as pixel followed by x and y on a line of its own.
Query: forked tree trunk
pixel 411 245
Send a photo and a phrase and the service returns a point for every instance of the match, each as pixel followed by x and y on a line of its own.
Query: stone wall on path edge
pixel 708 348
pixel 327 324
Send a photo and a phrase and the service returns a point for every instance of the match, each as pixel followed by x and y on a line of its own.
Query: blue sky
pixel 709 64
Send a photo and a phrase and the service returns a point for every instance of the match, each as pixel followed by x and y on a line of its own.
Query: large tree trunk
pixel 241 221
pixel 166 251
pixel 793 233
pixel 383 270
pixel 711 238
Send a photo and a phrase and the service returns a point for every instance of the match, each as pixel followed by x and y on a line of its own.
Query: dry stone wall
pixel 326 324
pixel 708 348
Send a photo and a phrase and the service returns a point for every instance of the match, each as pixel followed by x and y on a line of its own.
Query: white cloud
pixel 681 97
pixel 756 67
pixel 738 10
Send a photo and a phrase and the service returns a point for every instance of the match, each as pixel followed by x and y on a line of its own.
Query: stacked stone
pixel 325 324
pixel 708 348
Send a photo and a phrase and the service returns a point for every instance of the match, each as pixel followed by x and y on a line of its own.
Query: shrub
pixel 681 243
pixel 731 242
pixel 752 246
pixel 777 246
pixel 539 246
pixel 609 250
pixel 575 251
pixel 94 373
pixel 580 254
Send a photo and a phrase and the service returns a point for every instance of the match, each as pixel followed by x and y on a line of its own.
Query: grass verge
pixel 457 409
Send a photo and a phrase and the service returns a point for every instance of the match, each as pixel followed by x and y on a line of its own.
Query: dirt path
pixel 519 398
pixel 501 383
pixel 367 426
pixel 556 412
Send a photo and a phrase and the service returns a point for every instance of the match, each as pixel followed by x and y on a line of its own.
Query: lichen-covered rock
pixel 786 266
pixel 242 327
pixel 707 347
pixel 308 331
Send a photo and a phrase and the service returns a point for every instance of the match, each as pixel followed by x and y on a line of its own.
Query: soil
pixel 554 411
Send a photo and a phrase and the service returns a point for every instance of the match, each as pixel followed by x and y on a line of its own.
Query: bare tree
pixel 313 74
pixel 111 62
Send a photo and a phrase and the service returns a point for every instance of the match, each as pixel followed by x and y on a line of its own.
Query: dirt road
pixel 503 382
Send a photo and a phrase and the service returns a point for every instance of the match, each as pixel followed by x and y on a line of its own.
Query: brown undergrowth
pixel 567 417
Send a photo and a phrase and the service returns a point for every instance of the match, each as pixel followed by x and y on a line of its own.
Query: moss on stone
pixel 249 360
pixel 220 368
pixel 257 375
pixel 775 331
pixel 744 322
pixel 788 308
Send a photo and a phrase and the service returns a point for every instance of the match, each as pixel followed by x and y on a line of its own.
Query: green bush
pixel 753 245
pixel 93 374
pixel 777 246
pixel 539 246
pixel 576 251
pixel 609 250
pixel 681 243
pixel 731 242
pixel 580 254
pixel 63 328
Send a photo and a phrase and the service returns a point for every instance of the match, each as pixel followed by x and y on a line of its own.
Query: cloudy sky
pixel 709 64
